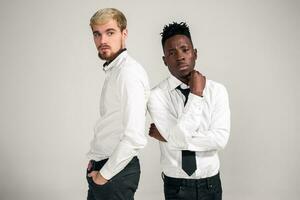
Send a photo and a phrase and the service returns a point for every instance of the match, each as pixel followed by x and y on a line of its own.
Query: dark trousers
pixel 192 189
pixel 121 187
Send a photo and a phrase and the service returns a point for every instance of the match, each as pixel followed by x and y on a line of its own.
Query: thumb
pixel 91 174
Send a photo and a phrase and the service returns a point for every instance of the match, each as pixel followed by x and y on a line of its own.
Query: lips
pixel 182 66
pixel 103 48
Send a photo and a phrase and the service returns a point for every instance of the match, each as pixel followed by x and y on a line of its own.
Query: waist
pixel 97 165
pixel 191 182
pixel 207 165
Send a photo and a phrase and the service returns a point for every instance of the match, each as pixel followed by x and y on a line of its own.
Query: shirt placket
pixel 103 96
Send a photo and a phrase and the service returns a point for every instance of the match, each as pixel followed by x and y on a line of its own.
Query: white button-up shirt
pixel 202 125
pixel 120 131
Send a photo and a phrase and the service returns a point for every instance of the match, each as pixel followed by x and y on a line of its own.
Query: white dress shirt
pixel 120 131
pixel 202 125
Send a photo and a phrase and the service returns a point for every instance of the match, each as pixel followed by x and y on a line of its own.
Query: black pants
pixel 121 187
pixel 192 189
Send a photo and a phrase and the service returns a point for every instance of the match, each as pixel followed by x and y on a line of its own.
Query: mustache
pixel 103 46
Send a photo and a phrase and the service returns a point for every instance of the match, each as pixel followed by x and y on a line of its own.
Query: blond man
pixel 113 171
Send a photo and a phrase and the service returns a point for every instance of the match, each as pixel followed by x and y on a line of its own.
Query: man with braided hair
pixel 191 119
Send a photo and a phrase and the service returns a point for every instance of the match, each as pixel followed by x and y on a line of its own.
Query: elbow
pixel 223 140
pixel 136 141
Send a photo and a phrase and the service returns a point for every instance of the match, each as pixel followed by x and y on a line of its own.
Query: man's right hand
pixel 97 178
pixel 153 132
pixel 197 83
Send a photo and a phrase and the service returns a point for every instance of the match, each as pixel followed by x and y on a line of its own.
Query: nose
pixel 179 56
pixel 101 39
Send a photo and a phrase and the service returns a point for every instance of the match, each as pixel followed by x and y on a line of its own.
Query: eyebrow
pixel 107 30
pixel 96 32
pixel 110 29
pixel 180 47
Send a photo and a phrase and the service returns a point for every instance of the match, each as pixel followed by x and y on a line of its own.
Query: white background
pixel 51 78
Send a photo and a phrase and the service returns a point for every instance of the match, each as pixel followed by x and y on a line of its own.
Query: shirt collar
pixel 110 64
pixel 174 82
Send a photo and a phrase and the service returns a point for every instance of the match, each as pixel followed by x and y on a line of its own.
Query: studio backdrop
pixel 51 79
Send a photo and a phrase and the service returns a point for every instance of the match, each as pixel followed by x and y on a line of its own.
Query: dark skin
pixel 180 58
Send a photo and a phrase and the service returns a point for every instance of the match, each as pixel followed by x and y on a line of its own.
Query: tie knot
pixel 185 92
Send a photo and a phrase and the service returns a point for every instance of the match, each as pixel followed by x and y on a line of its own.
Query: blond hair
pixel 104 15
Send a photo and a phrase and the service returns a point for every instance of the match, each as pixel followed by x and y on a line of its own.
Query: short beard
pixel 101 57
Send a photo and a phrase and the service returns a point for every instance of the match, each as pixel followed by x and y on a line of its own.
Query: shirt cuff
pixel 194 102
pixel 106 173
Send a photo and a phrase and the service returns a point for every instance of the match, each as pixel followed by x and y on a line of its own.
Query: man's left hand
pixel 153 132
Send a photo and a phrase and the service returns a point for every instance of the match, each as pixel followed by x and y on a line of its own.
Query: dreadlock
pixel 175 29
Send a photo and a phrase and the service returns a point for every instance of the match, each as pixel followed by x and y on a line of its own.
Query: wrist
pixel 198 93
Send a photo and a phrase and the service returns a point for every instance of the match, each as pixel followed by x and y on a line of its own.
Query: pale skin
pixel 180 57
pixel 109 40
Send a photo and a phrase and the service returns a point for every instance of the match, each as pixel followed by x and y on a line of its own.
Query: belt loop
pixel 197 183
pixel 184 182
pixel 209 183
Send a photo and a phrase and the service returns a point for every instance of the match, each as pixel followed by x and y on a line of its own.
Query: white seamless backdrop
pixel 51 78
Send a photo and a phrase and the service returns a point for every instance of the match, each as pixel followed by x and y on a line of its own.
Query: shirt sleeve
pixel 217 135
pixel 185 134
pixel 133 97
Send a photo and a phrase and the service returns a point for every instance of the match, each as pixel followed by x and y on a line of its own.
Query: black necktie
pixel 188 157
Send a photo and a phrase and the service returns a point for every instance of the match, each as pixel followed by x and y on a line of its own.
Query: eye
pixel 185 50
pixel 171 53
pixel 96 34
pixel 110 33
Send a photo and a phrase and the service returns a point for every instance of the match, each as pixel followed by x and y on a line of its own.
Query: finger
pixel 192 73
pixel 92 174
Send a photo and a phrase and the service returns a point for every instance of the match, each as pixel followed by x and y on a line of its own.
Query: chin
pixel 104 56
pixel 185 73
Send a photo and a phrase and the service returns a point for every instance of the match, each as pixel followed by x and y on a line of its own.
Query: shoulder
pixel 131 70
pixel 159 91
pixel 131 65
pixel 215 89
pixel 160 87
pixel 213 85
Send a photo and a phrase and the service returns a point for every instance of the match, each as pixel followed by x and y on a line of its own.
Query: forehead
pixel 102 27
pixel 177 41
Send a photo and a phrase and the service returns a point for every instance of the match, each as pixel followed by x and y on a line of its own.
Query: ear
pixel 164 59
pixel 125 33
pixel 195 54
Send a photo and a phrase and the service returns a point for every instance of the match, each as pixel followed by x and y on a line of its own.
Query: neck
pixel 185 80
pixel 116 55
